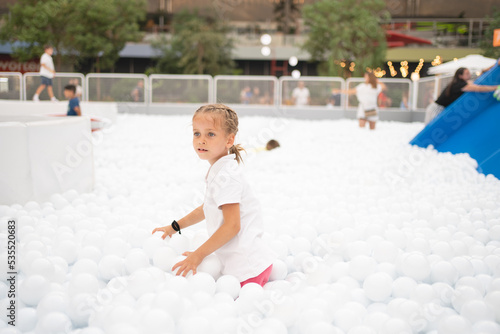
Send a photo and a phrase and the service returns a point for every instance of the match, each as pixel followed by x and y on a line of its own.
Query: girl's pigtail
pixel 235 149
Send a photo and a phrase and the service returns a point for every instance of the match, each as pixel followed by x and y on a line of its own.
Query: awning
pixel 396 39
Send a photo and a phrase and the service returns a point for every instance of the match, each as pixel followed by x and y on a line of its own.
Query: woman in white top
pixel 231 210
pixel 367 94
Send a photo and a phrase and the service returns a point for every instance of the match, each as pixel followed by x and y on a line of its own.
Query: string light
pixel 392 70
pixel 437 61
pixel 416 74
pixel 404 69
pixel 379 73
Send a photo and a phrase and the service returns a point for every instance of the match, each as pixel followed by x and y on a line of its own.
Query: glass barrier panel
pixel 33 81
pixel 312 92
pixel 245 90
pixel 10 86
pixel 397 95
pixel 180 89
pixel 117 88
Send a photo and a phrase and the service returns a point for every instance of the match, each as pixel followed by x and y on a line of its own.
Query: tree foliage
pixel 487 41
pixel 77 29
pixel 198 45
pixel 346 31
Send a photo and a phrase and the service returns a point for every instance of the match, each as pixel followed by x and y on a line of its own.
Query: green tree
pixel 487 41
pixel 35 24
pixel 286 13
pixel 198 45
pixel 101 29
pixel 77 29
pixel 346 31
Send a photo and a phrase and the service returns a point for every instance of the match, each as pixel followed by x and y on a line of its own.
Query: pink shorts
pixel 261 279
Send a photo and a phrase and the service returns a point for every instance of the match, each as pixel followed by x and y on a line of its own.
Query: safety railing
pixel 246 90
pixel 32 81
pixel 252 91
pixel 111 87
pixel 315 92
pixel 426 90
pixel 166 88
pixel 396 96
pixel 11 86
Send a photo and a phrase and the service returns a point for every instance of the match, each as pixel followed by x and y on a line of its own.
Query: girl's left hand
pixel 190 263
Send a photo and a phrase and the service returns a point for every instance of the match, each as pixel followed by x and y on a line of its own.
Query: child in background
pixel 47 73
pixel 272 144
pixel 74 102
pixel 232 212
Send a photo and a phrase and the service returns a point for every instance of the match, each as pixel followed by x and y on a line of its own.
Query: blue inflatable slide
pixel 471 125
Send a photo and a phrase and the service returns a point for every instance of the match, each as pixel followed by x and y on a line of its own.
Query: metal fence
pixel 401 94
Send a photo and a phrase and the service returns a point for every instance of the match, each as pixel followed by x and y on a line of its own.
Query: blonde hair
pixel 228 121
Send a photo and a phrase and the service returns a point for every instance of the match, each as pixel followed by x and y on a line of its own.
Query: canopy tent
pixel 474 63
pixel 397 39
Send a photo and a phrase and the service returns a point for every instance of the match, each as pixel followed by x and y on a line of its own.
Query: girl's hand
pixel 190 263
pixel 167 231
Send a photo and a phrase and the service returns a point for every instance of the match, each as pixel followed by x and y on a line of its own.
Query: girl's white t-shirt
pixel 246 255
pixel 367 98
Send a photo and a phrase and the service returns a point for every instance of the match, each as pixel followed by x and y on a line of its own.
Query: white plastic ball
pixel 443 271
pixel 83 282
pixel 54 301
pixel 378 286
pixel 202 282
pixel 454 324
pixel 26 319
pixel 210 265
pixel 228 284
pixel 136 259
pixel 32 289
pixel 396 326
pixel 111 266
pixel 415 265
pixel 157 321
pixel 85 266
pixel 361 266
pixel 67 249
pixel 54 323
pixel 163 258
pixel 477 310
pixel 279 271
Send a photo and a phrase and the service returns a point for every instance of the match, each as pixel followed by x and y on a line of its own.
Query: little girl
pixel 232 212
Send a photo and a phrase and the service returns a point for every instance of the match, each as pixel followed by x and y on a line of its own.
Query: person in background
pixel 404 101
pixel 459 84
pixel 47 73
pixel 301 95
pixel 367 94
pixel 272 144
pixel 245 95
pixel 383 100
pixel 138 92
pixel 74 102
pixel 79 90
